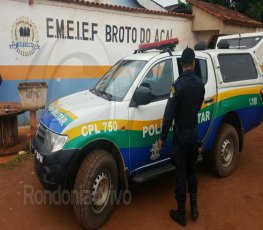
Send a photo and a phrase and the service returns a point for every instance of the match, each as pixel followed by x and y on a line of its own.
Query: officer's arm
pixel 202 95
pixel 170 110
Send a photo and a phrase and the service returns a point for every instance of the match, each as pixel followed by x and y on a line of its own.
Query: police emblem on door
pixel 155 152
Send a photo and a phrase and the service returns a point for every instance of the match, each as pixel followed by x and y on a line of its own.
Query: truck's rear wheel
pixel 225 152
pixel 94 189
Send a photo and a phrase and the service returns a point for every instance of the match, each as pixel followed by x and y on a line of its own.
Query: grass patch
pixel 17 160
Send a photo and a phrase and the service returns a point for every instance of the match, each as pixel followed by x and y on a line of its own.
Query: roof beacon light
pixel 170 43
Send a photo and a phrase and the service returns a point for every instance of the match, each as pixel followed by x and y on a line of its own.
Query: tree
pixel 251 8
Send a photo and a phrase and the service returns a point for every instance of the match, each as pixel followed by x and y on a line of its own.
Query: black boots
pixel 194 209
pixel 179 215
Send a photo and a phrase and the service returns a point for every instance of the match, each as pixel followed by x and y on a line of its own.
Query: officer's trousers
pixel 184 154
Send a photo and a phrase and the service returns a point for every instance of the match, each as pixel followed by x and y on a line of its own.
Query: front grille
pixel 41 132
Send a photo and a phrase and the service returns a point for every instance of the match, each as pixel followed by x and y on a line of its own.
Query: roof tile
pixel 124 8
pixel 226 14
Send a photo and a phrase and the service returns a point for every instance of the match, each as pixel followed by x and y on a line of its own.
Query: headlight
pixel 54 142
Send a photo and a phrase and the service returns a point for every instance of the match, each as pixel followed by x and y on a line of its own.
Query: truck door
pixel 145 120
pixel 204 69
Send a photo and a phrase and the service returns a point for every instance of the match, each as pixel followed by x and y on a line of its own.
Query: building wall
pixel 234 29
pixel 206 26
pixel 70 46
pixel 204 21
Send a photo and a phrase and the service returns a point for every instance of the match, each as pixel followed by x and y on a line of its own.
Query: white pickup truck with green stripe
pixel 95 141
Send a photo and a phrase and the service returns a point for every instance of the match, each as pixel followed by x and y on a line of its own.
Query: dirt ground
pixel 231 203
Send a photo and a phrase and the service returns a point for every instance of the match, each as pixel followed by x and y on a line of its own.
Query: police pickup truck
pixel 95 141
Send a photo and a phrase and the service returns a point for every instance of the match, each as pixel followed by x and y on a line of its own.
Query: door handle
pixel 208 100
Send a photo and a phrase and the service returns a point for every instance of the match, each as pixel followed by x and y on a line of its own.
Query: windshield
pixel 118 80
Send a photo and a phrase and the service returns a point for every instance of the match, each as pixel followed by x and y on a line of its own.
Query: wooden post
pixel 9 138
pixel 8 131
pixel 33 122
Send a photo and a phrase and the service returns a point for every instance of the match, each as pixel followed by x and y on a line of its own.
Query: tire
pixel 97 176
pixel 225 151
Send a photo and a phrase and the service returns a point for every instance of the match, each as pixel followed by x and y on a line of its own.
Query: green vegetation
pixel 17 160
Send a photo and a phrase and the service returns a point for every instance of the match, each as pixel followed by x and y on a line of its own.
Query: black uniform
pixel 186 97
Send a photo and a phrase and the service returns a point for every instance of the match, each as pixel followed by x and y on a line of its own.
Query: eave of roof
pixel 158 4
pixel 127 9
pixel 227 15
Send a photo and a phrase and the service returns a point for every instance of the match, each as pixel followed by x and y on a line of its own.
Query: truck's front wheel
pixel 225 152
pixel 94 189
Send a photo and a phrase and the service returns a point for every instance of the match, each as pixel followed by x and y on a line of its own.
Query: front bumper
pixel 53 169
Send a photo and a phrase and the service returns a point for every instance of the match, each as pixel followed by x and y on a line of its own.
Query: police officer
pixel 186 97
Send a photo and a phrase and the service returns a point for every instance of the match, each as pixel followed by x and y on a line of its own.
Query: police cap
pixel 188 56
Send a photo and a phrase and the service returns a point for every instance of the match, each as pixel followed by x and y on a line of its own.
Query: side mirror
pixel 142 96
